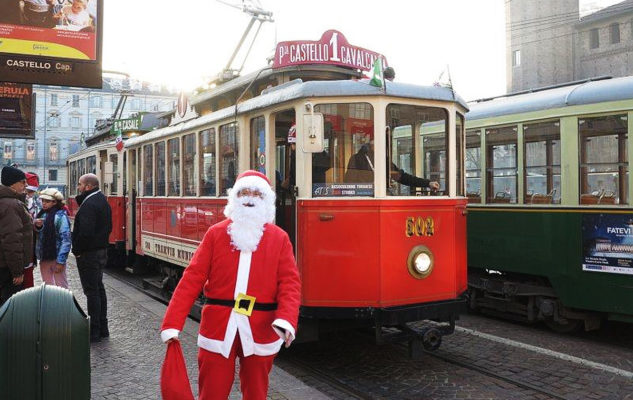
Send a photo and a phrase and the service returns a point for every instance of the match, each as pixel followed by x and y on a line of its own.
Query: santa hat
pixel 253 180
pixel 32 182
pixel 292 134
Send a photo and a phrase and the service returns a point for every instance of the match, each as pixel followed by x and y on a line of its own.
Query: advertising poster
pixel 51 42
pixel 607 243
pixel 16 111
pixel 342 189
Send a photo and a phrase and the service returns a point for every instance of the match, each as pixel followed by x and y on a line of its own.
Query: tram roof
pixel 573 95
pixel 298 89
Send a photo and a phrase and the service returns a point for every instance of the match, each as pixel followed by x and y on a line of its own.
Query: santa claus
pixel 246 267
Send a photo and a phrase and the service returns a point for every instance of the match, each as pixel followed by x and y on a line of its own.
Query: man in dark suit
pixel 91 230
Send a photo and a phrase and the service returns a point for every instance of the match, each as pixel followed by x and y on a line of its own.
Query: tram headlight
pixel 420 262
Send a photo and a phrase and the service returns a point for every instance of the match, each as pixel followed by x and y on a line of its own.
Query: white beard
pixel 247 226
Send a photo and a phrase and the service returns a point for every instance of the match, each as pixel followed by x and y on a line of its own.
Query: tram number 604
pixel 419 226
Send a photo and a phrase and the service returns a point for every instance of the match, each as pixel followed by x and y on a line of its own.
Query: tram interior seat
pixel 598 197
pixel 501 197
pixel 474 197
pixel 538 198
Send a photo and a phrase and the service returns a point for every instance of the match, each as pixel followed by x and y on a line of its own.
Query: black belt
pixel 244 303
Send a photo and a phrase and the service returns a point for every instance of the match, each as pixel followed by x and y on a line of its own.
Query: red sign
pixel 331 49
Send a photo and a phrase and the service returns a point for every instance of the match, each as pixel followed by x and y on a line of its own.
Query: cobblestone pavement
pixel 127 365
pixel 485 369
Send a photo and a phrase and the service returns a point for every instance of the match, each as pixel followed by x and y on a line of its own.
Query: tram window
pixel 81 167
pixel 347 167
pixel 159 149
pixel 604 169
pixel 72 167
pixel 417 147
pixel 459 153
pixel 542 162
pixel 124 175
pixel 229 151
pixel 132 171
pixel 188 165
pixel 91 165
pixel 173 161
pixel 258 144
pixel 207 162
pixel 114 159
pixel 473 165
pixel 501 165
pixel 148 170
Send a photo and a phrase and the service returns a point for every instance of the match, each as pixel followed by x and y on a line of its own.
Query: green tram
pixel 550 215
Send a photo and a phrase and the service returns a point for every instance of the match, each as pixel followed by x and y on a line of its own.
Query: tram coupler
pixel 427 338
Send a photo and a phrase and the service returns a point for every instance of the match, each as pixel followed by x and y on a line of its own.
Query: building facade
pixel 66 116
pixel 548 43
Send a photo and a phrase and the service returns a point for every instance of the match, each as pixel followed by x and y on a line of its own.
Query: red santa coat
pixel 269 274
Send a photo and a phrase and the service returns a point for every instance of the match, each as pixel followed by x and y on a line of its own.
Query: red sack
pixel 174 381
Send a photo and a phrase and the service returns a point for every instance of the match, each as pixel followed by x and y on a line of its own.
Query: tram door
pixel 286 171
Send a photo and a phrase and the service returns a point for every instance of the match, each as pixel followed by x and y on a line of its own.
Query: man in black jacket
pixel 91 230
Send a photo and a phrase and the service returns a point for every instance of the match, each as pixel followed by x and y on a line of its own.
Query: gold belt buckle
pixel 244 310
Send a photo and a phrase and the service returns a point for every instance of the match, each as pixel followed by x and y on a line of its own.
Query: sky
pixel 184 43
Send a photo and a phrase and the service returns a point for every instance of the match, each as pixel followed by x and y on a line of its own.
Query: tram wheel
pixel 570 325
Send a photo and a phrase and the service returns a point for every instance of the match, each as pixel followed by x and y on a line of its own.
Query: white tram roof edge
pixel 298 90
pixel 584 93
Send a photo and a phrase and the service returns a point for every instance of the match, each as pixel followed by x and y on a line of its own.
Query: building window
pixel 53 120
pixel 53 155
pixel 516 58
pixel 30 151
pixel 594 38
pixel 52 175
pixel 54 99
pixel 8 150
pixel 615 33
pixel 95 101
pixel 604 168
pixel 75 100
pixel 75 122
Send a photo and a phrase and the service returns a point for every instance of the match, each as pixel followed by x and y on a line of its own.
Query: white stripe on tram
pixel 551 353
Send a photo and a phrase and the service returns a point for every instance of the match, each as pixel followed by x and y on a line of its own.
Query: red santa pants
pixel 217 374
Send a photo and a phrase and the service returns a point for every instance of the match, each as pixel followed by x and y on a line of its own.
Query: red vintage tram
pixel 370 251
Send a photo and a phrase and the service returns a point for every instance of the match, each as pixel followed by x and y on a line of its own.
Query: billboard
pixel 17 111
pixel 51 42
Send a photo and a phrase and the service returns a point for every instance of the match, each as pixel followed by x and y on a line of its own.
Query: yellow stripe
pixel 31 47
pixel 552 210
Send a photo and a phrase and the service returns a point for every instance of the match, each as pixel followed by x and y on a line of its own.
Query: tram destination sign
pixel 332 49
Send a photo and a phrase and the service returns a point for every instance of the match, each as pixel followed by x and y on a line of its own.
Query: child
pixel 53 244
pixel 75 14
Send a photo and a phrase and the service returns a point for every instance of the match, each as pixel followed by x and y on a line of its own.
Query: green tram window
pixel 542 163
pixel 501 165
pixel 472 164
pixel 604 170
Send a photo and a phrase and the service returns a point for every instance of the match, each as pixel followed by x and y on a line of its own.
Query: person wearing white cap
pixel 246 268
pixel 53 242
